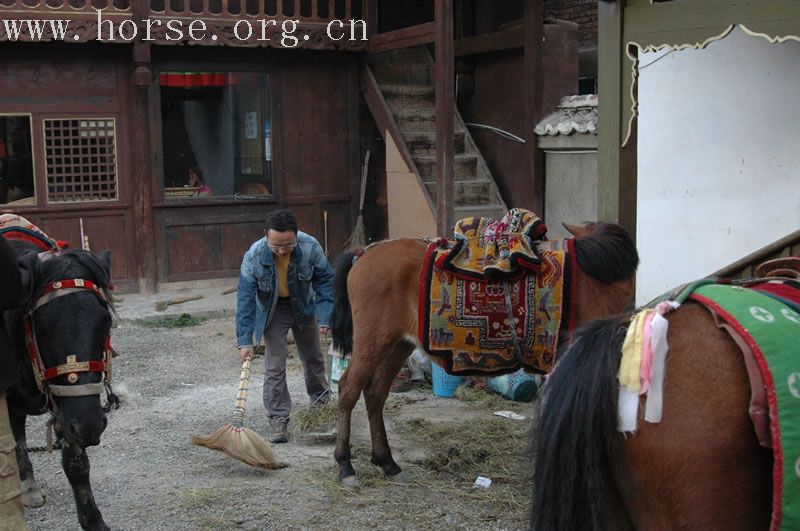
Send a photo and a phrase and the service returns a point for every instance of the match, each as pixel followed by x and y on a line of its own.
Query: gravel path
pixel 178 382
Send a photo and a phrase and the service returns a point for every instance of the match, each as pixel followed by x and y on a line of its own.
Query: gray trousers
pixel 276 394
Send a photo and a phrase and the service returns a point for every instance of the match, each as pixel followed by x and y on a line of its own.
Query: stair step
pixel 465 167
pixel 416 120
pixel 400 97
pixel 398 73
pixel 425 143
pixel 466 193
pixel 489 210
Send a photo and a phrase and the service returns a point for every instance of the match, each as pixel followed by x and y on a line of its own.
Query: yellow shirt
pixel 282 270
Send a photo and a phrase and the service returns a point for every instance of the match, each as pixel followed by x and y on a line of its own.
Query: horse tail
pixel 576 433
pixel 342 326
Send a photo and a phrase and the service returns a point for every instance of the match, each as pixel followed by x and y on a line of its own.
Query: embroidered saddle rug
pixel 485 247
pixel 14 227
pixel 465 322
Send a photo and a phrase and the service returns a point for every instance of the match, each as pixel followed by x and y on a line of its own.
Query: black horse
pixel 61 339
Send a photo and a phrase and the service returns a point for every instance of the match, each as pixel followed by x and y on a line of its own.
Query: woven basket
pixel 445 384
pixel 518 386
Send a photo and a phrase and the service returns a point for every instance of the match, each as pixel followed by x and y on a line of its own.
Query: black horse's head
pixel 71 318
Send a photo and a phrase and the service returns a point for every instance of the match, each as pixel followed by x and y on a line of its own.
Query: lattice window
pixel 81 159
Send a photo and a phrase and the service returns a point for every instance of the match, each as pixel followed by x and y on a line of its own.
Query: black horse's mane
pixel 607 254
pixel 72 264
pixel 65 265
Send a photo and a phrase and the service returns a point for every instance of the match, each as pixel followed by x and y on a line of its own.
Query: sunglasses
pixel 286 247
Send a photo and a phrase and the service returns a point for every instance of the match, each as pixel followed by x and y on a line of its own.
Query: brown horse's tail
pixel 342 326
pixel 577 435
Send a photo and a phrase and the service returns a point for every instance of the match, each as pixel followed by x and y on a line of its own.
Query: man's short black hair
pixel 281 221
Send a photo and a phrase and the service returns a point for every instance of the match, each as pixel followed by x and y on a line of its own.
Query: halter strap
pixel 72 367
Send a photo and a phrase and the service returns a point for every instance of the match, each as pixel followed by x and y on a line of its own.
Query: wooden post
pixel 445 116
pixel 142 160
pixel 532 81
pixel 616 171
pixel 371 7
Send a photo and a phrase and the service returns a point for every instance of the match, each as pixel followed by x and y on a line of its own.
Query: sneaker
pixel 279 429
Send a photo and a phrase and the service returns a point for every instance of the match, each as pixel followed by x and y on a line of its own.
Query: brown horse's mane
pixel 607 253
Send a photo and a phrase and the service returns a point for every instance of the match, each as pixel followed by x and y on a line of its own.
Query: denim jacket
pixel 310 279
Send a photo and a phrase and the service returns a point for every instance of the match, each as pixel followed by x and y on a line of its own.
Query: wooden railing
pixel 745 267
pixel 312 19
pixel 302 10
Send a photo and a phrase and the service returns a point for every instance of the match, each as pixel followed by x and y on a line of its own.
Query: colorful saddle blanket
pixel 487 247
pixel 769 331
pixel 465 323
pixel 14 227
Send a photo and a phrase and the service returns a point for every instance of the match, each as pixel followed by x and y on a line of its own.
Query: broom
pixel 357 239
pixel 236 440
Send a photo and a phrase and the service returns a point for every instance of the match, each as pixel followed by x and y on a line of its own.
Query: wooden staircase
pixel 405 80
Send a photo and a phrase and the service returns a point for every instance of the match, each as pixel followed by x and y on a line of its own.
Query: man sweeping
pixel 286 282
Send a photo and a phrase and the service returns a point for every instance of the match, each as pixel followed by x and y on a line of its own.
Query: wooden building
pixel 105 105
pixel 697 139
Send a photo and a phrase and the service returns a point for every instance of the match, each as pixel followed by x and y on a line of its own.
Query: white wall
pixel 718 156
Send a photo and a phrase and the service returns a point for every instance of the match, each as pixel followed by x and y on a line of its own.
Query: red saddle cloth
pixel 465 322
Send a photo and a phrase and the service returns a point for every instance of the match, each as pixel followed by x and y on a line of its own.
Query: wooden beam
pixel 402 38
pixel 491 42
pixel 532 82
pixel 445 117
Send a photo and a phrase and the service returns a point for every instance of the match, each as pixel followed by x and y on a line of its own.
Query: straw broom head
pixel 243 444
pixel 358 238
pixel 237 441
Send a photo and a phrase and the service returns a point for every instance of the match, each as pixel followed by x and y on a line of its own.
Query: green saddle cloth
pixel 772 330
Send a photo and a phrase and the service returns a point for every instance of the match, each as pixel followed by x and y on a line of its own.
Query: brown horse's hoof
pixel 350 482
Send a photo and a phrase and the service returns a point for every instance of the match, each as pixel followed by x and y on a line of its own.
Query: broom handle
pixel 364 172
pixel 237 419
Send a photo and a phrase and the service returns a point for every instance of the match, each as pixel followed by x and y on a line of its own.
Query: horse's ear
pixel 105 260
pixel 579 231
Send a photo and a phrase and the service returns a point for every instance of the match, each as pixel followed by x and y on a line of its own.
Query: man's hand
pixel 325 330
pixel 246 353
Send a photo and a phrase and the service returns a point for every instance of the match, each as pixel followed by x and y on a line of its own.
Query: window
pixel 16 161
pixel 80 159
pixel 216 134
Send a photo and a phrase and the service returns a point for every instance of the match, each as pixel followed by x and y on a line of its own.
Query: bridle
pixel 72 367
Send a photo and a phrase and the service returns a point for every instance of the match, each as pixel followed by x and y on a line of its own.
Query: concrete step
pixel 466 193
pixel 398 73
pixel 465 168
pixel 489 210
pixel 415 120
pixel 409 96
pixel 425 143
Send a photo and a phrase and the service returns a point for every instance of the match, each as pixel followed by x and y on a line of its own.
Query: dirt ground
pixel 178 382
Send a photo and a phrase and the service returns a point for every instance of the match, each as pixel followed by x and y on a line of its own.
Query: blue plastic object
pixel 444 384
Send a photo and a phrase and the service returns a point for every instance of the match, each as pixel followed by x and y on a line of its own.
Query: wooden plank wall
pixel 317 169
pixel 49 81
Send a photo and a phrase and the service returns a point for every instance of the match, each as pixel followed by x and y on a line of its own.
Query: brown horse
pixel 375 318
pixel 701 467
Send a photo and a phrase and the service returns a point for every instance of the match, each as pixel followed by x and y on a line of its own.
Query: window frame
pixel 34 163
pixel 157 131
pixel 81 117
